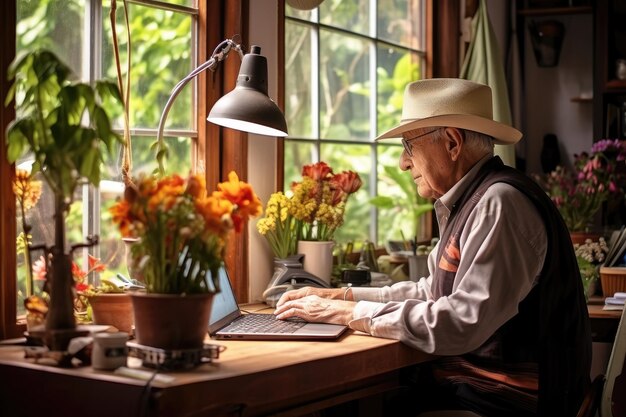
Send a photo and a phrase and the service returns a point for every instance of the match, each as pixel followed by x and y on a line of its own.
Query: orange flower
pixel 196 186
pixel 26 190
pixel 216 213
pixel 348 181
pixel 317 171
pixel 121 215
pixel 95 264
pixel 182 231
pixel 242 196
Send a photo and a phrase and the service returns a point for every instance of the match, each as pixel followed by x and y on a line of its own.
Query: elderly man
pixel 503 309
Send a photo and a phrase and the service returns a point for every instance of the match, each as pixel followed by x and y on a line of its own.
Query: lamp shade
pixel 248 107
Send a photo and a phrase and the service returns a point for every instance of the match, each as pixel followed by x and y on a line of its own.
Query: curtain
pixel 483 63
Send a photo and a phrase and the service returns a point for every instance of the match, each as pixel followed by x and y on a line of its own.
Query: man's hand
pixel 315 305
pixel 331 293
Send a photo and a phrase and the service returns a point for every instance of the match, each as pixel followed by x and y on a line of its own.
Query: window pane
pixel 352 15
pixel 161 55
pixel 399 220
pixel 344 87
pixel 297 155
pixel 163 50
pixel 298 83
pixel 55 25
pixel 399 22
pixel 396 69
pixel 362 56
pixel 348 157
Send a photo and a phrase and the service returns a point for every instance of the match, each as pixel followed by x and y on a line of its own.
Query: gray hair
pixel 479 142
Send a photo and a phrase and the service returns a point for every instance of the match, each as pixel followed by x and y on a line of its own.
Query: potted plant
pixel 408 202
pixel 307 221
pixel 183 232
pixel 109 303
pixel 598 178
pixel 63 125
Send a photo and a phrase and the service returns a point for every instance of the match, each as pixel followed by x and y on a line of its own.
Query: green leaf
pixel 382 201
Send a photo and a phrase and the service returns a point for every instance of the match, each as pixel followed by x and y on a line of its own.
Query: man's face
pixel 429 161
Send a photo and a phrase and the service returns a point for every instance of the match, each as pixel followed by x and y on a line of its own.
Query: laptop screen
pixel 225 306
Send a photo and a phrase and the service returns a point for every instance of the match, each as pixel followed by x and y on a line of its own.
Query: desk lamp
pixel 247 107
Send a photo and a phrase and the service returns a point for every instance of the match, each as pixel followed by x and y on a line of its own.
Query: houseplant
pixel 62 124
pixel 407 202
pixel 597 177
pixel 182 233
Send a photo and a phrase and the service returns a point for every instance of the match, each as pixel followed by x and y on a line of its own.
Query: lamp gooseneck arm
pixel 219 54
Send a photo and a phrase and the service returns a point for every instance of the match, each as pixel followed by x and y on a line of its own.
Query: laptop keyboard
pixel 263 323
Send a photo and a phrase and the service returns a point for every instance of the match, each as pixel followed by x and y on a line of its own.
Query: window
pixel 163 51
pixel 346 66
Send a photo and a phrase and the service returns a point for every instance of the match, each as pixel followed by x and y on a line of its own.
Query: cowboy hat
pixel 451 102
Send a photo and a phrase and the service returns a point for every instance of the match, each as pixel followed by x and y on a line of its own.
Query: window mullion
pixel 92 70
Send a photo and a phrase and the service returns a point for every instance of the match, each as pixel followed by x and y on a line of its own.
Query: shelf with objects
pixel 609 113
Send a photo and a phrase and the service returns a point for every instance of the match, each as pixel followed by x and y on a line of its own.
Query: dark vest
pixel 551 332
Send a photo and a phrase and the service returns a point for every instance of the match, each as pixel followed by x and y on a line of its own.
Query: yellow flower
pixel 314 211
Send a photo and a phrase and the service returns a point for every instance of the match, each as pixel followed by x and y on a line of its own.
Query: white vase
pixel 318 258
pixel 132 265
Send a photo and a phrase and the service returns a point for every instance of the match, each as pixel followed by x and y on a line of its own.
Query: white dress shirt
pixel 503 247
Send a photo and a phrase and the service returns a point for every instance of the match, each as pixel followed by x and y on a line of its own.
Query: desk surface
pixel 253 376
pixel 250 378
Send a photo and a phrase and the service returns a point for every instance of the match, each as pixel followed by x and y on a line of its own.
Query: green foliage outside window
pixel 162 54
pixel 329 113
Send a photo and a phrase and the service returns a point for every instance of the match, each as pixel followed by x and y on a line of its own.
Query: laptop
pixel 227 321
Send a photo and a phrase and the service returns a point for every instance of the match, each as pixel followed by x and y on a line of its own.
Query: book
pixel 617 248
pixel 616 302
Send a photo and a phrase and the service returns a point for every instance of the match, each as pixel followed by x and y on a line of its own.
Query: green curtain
pixel 483 63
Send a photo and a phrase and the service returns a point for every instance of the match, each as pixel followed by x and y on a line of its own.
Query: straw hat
pixel 451 102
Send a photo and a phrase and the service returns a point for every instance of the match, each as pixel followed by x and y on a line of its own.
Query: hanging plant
pixel 124 87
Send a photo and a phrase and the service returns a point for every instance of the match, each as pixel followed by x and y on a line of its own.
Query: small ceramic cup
pixel 109 350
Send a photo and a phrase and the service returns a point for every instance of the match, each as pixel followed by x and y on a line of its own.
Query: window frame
pixel 220 150
pixel 224 151
pixel 447 64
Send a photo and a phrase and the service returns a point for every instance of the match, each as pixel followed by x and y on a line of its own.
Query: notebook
pixel 227 321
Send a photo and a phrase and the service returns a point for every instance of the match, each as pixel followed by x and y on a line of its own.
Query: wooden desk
pixel 603 322
pixel 250 378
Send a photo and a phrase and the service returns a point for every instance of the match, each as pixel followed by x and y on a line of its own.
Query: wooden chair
pixel 613 401
pixel 607 393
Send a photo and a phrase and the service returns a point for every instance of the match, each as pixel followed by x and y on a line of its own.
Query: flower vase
pixel 132 264
pixel 318 258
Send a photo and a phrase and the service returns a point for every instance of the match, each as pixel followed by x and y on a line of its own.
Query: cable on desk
pixel 145 395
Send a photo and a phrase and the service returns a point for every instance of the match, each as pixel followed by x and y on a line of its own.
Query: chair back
pixel 613 402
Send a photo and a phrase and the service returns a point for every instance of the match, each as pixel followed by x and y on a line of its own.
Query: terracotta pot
pixel 171 321
pixel 113 309
pixel 612 280
pixel 581 237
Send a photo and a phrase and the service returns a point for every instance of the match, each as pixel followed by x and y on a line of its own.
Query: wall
pixel 548 107
pixel 262 149
pixel 545 104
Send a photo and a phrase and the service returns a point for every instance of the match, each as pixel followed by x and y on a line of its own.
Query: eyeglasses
pixel 407 146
